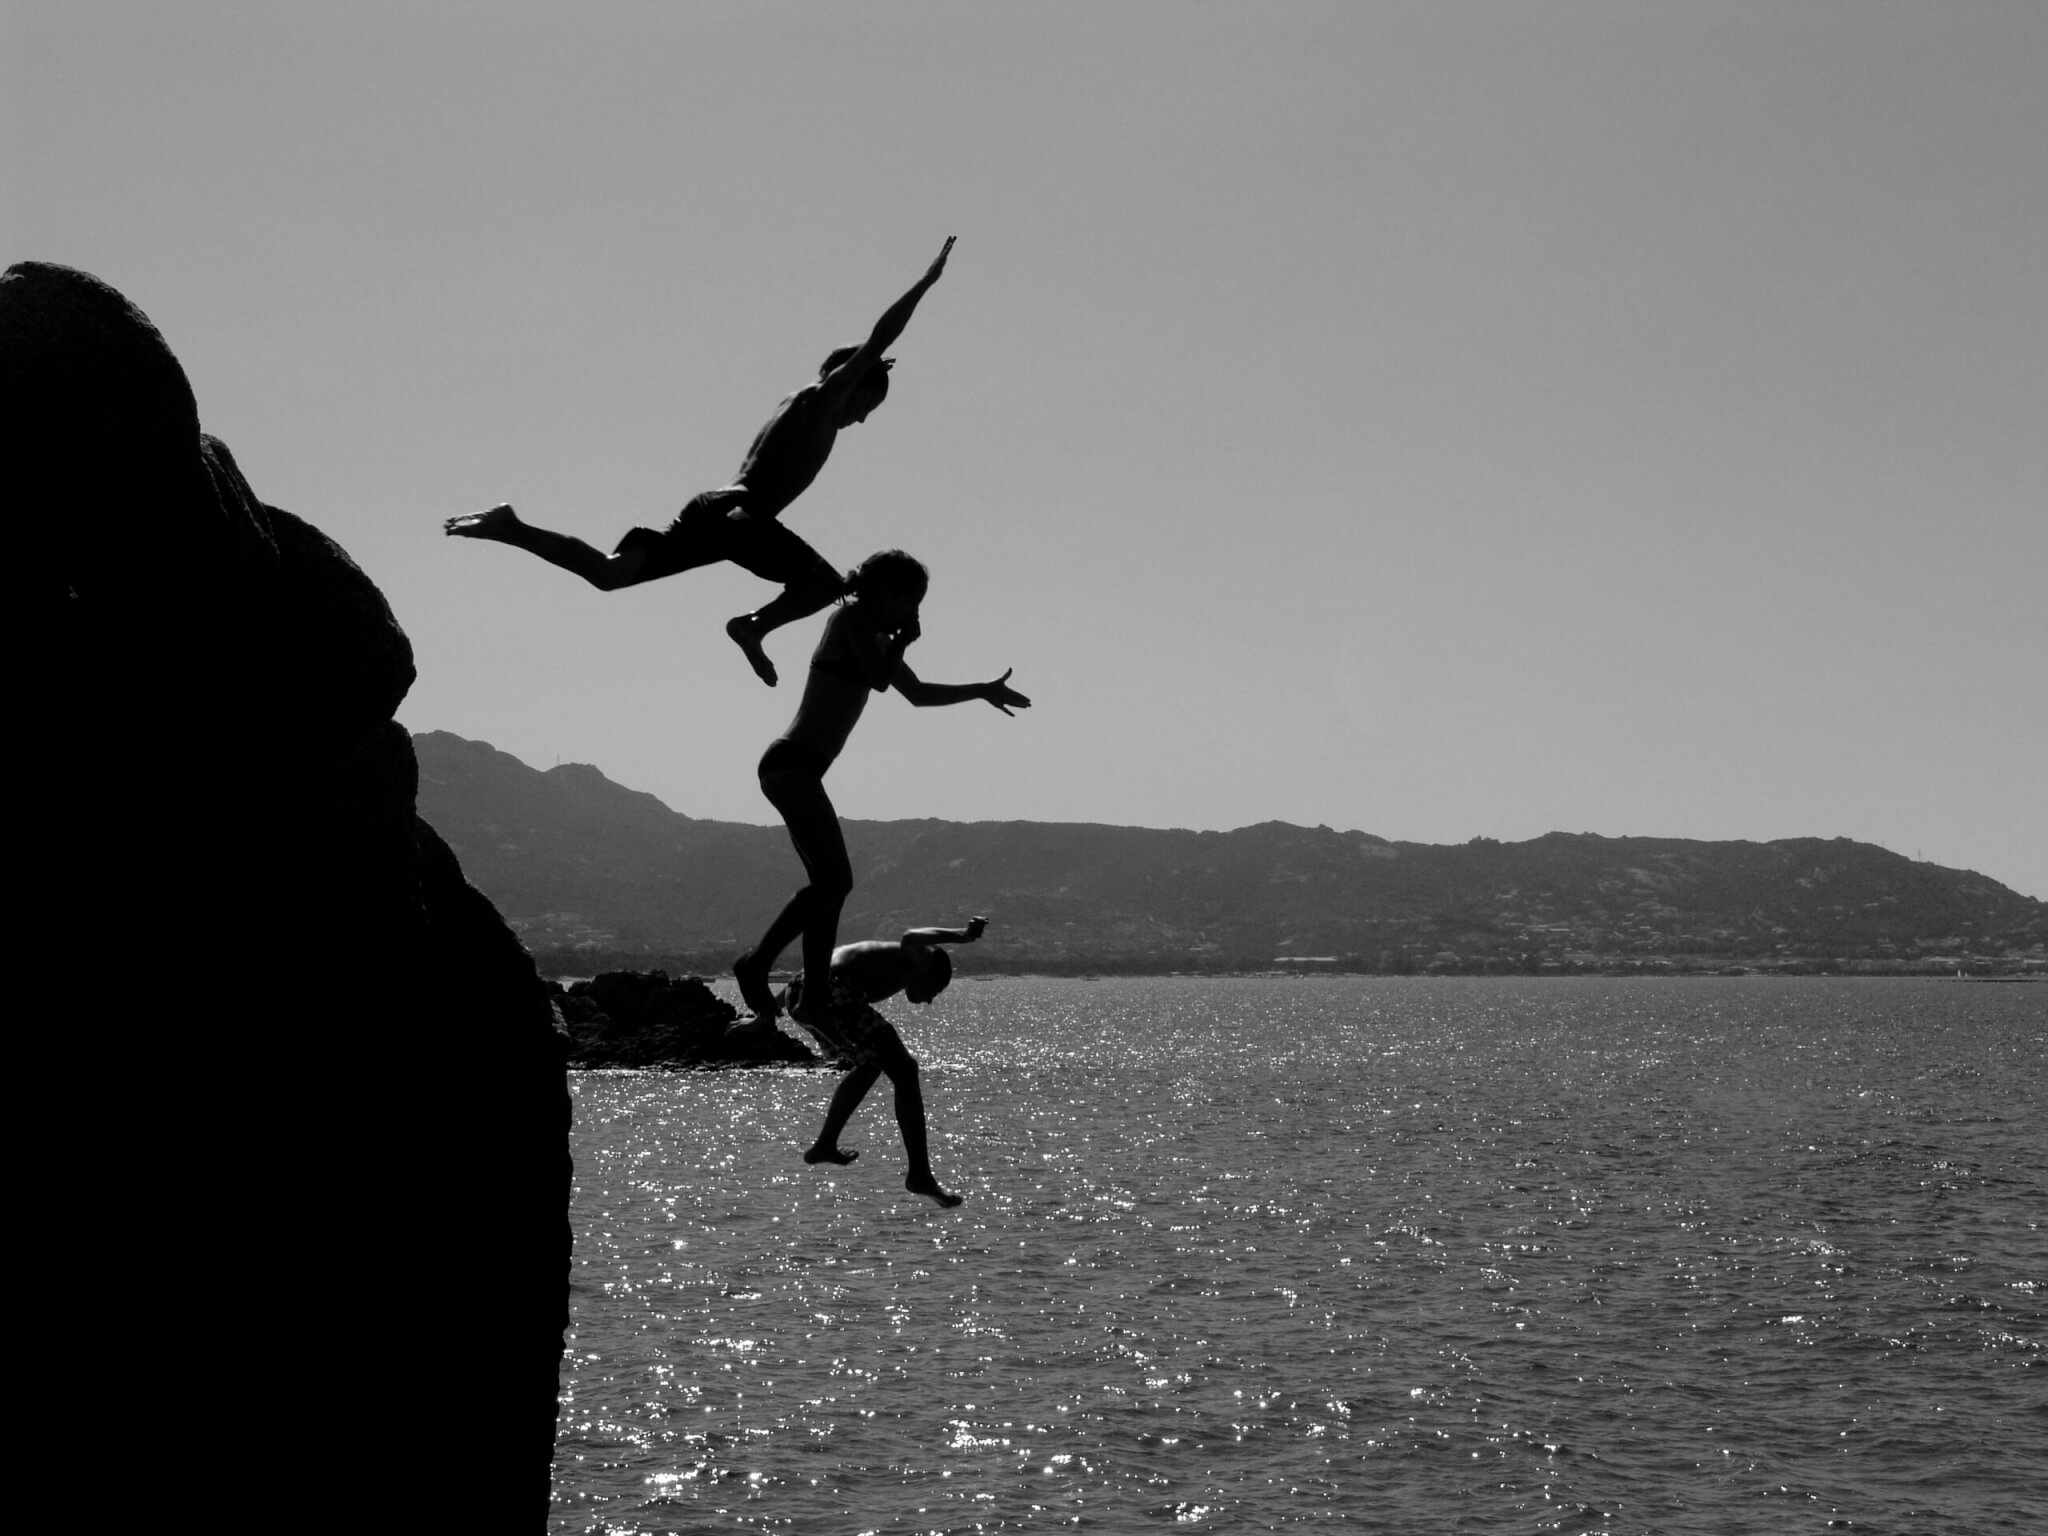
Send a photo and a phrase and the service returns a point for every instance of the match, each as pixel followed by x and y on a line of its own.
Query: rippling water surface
pixel 1728 1255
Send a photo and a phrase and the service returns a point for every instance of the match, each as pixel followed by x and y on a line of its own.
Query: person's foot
pixel 752 975
pixel 838 1155
pixel 929 1186
pixel 491 523
pixel 742 633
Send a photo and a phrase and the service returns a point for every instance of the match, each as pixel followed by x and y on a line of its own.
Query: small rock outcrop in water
pixel 644 1019
pixel 306 1250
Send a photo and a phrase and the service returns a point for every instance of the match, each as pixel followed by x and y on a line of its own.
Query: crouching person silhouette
pixel 863 975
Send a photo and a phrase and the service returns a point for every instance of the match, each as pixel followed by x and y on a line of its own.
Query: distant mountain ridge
pixel 579 863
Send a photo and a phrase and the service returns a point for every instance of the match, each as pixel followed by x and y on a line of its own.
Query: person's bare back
pixel 787 453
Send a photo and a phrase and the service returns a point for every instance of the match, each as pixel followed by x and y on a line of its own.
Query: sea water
pixel 1717 1255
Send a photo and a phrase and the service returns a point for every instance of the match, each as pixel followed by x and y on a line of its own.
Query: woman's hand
pixel 1002 695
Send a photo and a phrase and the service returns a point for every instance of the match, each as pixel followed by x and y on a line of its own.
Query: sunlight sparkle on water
pixel 1260 1254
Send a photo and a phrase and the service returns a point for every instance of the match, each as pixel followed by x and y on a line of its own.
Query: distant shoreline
pixel 650 964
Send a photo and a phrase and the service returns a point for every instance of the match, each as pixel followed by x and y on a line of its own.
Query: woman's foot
pixel 929 1186
pixel 752 975
pixel 492 523
pixel 830 1155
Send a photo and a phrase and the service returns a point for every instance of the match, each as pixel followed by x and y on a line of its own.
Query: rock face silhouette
pixel 300 1221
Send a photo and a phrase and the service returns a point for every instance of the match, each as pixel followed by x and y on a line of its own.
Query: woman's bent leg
pixel 813 912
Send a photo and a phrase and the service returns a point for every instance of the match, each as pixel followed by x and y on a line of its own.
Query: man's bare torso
pixel 787 453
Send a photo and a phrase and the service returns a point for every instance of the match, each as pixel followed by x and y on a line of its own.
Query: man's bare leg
pixel 845 1100
pixel 501 525
pixel 902 1069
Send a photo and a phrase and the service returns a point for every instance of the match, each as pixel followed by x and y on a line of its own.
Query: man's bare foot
pixel 742 633
pixel 752 975
pixel 928 1185
pixel 492 523
pixel 837 1155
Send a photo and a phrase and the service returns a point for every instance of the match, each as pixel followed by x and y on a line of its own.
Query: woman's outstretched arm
pixel 997 691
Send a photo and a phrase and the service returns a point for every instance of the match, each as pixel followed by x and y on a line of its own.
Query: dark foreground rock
pixel 304 1250
pixel 645 1019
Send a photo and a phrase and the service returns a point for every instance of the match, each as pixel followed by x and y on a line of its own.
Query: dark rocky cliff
pixel 302 1242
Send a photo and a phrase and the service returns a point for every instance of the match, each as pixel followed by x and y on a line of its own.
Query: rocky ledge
pixel 649 1019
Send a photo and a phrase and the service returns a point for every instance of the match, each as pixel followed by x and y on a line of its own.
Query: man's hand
pixel 976 926
pixel 938 267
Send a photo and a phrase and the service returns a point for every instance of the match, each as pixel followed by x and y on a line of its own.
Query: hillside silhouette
pixel 592 873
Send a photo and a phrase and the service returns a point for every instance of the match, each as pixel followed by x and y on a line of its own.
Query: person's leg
pixel 846 1098
pixel 813 912
pixel 892 1058
pixel 698 535
pixel 809 583
pixel 751 969
pixel 751 972
pixel 501 525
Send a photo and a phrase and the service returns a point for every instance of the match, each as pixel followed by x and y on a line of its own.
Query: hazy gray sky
pixel 1440 419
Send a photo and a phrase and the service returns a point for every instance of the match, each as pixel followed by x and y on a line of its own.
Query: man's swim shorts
pixel 706 531
pixel 855 1031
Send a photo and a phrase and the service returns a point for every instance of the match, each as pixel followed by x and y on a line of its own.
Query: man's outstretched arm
pixel 842 379
pixel 973 930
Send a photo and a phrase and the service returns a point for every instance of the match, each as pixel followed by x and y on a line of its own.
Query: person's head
pixel 869 391
pixel 889 580
pixel 931 969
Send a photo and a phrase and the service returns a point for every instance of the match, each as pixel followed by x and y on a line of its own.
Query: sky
pixel 1444 419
